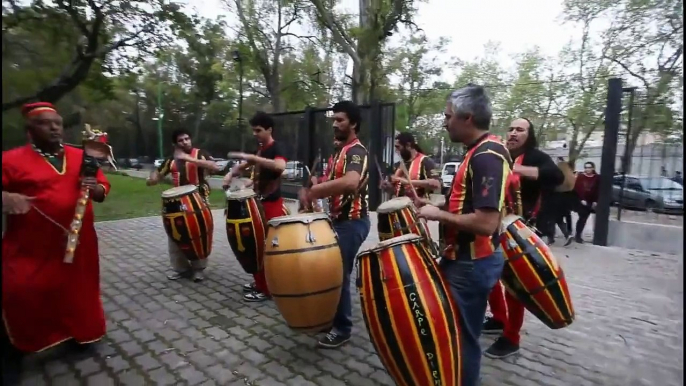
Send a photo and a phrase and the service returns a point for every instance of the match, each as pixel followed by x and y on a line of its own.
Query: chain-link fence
pixel 307 139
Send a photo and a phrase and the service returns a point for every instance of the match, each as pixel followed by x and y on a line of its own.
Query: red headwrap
pixel 32 109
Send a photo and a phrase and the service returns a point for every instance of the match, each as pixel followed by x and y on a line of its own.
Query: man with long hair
pixel 424 176
pixel 538 178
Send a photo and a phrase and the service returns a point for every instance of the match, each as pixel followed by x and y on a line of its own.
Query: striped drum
pixel 533 275
pixel 409 313
pixel 246 228
pixel 188 221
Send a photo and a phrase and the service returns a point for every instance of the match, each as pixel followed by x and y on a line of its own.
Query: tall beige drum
pixel 304 270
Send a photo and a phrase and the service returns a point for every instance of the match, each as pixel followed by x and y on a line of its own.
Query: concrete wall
pixel 647 237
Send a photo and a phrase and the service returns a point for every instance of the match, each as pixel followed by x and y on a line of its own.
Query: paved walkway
pixel 629 327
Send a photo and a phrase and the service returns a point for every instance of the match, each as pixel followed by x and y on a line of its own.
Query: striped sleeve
pixel 489 170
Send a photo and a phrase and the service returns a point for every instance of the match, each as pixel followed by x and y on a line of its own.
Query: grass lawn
pixel 130 197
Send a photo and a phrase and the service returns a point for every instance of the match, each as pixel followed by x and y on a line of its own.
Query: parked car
pixel 294 170
pixel 447 175
pixel 224 166
pixel 658 194
pixel 158 162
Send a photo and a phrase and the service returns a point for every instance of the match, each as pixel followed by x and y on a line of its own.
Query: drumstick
pixel 378 168
pixel 409 181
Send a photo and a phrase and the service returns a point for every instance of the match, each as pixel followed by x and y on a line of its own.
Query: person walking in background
pixel 587 188
pixel 566 199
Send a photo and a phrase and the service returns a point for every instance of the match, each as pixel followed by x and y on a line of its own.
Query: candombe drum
pixel 188 221
pixel 410 316
pixel 397 217
pixel 304 270
pixel 246 228
pixel 533 275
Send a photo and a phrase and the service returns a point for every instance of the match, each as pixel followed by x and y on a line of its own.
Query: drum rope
pixel 66 231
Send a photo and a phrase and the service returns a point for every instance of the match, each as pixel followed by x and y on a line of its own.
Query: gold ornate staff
pixel 93 149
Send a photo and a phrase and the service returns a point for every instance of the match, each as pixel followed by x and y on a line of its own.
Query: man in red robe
pixel 46 301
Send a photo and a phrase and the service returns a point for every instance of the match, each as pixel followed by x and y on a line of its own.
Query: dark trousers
pixel 470 283
pixel 565 202
pixel 351 235
pixel 584 212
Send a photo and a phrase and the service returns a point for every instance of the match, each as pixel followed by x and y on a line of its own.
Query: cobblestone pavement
pixel 629 327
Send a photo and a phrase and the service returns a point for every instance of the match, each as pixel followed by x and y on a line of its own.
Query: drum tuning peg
pixel 310 237
pixel 275 241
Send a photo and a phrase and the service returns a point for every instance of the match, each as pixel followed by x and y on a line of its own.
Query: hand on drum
pixel 429 212
pixel 420 202
pixel 304 198
pixel 385 185
pixel 226 181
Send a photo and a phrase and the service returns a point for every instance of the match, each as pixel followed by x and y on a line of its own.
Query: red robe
pixel 44 300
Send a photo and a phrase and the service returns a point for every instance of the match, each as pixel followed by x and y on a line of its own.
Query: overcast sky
pixel 470 24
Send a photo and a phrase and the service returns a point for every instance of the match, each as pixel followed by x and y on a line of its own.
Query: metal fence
pixel 307 136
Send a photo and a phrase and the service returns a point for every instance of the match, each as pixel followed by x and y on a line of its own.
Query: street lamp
pixel 237 58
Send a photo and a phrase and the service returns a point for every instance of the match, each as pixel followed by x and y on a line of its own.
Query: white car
pixel 158 162
pixel 448 173
pixel 294 170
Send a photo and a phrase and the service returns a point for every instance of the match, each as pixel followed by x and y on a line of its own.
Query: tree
pixel 111 34
pixel 363 43
pixel 583 101
pixel 417 66
pixel 647 45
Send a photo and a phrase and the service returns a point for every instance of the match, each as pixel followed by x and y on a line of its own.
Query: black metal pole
pixel 607 161
pixel 625 161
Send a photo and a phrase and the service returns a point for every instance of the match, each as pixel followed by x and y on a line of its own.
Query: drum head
pixel 404 239
pixel 179 191
pixel 509 219
pixel 240 194
pixel 305 218
pixel 394 204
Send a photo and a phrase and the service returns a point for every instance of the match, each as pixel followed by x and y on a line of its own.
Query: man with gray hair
pixel 473 262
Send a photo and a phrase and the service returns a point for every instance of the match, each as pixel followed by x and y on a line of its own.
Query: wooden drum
pixel 533 275
pixel 410 316
pixel 188 221
pixel 304 270
pixel 398 217
pixel 246 228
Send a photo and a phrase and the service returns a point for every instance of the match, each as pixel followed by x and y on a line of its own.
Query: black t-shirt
pixel 549 176
pixel 267 181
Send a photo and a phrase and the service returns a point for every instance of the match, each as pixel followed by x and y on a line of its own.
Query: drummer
pixel 473 261
pixel 269 163
pixel 424 174
pixel 188 166
pixel 347 192
pixel 539 177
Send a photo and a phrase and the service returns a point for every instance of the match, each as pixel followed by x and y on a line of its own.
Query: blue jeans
pixel 470 284
pixel 351 235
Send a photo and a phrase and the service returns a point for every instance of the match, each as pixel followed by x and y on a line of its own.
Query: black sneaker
pixel 492 326
pixel 255 297
pixel 333 340
pixel 250 287
pixel 551 241
pixel 579 240
pixel 501 348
